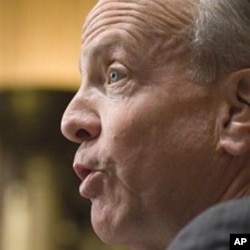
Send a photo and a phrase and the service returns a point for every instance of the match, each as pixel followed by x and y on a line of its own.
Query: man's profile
pixel 162 119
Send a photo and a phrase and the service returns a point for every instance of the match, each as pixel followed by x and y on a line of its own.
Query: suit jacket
pixel 211 230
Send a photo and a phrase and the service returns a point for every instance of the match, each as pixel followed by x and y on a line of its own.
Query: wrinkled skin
pixel 139 118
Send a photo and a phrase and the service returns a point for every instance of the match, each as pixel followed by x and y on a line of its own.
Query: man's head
pixel 163 133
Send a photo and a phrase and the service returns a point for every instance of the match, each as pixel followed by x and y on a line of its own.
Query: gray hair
pixel 221 39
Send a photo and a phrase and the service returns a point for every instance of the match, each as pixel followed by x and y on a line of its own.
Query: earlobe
pixel 235 130
pixel 237 141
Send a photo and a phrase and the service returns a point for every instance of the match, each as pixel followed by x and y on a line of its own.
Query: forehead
pixel 152 30
pixel 139 17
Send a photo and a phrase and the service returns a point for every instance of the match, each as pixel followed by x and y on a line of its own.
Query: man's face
pixel 146 133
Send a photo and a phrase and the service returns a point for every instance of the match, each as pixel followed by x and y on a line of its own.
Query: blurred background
pixel 40 207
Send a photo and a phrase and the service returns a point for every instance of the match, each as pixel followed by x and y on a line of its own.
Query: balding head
pixel 216 44
pixel 158 27
pixel 158 16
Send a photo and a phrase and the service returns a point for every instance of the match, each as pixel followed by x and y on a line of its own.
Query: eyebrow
pixel 115 48
pixel 108 45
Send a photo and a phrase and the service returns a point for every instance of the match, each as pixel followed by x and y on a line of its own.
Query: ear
pixel 235 115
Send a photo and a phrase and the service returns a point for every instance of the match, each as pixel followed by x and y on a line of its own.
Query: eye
pixel 115 76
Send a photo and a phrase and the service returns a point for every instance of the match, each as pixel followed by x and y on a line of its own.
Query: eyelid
pixel 117 66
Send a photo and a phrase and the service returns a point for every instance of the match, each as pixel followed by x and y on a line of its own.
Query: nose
pixel 79 122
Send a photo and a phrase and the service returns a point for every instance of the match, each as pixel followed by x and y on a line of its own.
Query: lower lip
pixel 91 186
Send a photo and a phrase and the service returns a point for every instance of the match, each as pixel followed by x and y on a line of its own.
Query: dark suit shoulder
pixel 211 230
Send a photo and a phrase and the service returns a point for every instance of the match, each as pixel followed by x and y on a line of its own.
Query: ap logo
pixel 239 241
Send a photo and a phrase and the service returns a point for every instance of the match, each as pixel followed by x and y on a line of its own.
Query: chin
pixel 108 231
pixel 113 229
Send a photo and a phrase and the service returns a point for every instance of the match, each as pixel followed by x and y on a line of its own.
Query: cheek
pixel 136 142
pixel 157 139
pixel 149 146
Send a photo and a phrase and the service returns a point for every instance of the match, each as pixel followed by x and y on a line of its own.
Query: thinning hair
pixel 220 41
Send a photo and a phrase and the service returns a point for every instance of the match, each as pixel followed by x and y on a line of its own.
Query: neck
pixel 159 242
pixel 239 186
pixel 150 247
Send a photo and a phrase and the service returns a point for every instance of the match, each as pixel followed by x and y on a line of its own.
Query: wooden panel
pixel 40 42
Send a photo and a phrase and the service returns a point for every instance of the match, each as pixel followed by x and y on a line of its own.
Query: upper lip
pixel 82 171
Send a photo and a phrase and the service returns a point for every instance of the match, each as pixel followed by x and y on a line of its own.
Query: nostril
pixel 82 134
